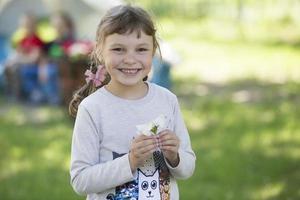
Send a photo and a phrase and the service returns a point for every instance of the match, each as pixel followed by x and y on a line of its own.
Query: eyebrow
pixel 119 44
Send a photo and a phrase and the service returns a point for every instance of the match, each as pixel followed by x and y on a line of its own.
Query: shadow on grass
pixel 246 137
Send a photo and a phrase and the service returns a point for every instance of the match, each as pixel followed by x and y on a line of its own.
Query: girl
pixel 110 158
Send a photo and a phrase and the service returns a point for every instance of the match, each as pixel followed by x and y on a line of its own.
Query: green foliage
pixel 242 10
pixel 215 50
pixel 176 8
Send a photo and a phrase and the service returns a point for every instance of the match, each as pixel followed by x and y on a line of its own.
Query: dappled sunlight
pixel 287 143
pixel 35 154
pixel 14 115
pixel 268 191
pixel 273 143
pixel 245 136
pixel 17 162
pixel 24 114
pixel 248 142
pixel 43 115
pixel 59 132
pixel 50 145
pixel 242 96
pixel 55 154
pixel 267 116
pixel 193 121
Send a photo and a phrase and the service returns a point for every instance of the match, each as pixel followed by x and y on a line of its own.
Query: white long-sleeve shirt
pixel 104 128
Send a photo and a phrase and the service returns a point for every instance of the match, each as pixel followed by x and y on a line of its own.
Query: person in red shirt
pixel 23 65
pixel 30 43
pixel 28 48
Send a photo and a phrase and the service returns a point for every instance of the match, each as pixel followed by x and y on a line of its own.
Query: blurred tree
pixel 239 10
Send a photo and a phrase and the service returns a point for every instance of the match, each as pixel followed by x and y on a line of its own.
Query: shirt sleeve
pixel 187 158
pixel 88 175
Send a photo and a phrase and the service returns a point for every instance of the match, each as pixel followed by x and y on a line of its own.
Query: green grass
pixel 245 134
pixel 35 151
pixel 246 138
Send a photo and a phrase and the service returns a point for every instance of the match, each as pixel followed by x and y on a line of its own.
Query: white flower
pixel 145 129
pixel 154 127
pixel 160 121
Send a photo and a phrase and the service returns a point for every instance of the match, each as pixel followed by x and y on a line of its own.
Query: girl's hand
pixel 141 148
pixel 169 144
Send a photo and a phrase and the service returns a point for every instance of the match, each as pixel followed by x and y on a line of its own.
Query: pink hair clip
pixel 98 77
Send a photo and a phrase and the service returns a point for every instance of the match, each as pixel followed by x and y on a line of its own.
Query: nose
pixel 129 58
pixel 149 193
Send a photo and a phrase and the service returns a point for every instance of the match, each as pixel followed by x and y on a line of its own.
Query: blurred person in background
pixel 59 52
pixel 65 34
pixel 69 53
pixel 21 68
pixel 48 79
pixel 54 54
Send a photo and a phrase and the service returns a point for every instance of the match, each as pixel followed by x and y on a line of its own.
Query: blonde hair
pixel 120 19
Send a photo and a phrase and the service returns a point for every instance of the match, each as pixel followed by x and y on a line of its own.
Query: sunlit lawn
pixel 35 150
pixel 246 137
pixel 241 103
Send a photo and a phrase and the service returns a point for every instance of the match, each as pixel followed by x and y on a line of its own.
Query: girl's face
pixel 128 58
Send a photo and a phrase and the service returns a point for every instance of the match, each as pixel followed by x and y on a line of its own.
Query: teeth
pixel 129 71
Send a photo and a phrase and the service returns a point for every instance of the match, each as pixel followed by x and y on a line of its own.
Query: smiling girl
pixel 110 158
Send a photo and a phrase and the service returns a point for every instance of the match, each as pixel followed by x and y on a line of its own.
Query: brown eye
pixel 142 49
pixel 118 49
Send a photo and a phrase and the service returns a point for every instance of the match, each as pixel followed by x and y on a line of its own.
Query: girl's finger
pixel 147 149
pixel 164 133
pixel 170 142
pixel 167 136
pixel 166 144
pixel 169 148
pixel 145 143
pixel 141 138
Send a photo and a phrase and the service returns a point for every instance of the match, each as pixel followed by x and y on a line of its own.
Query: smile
pixel 130 71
